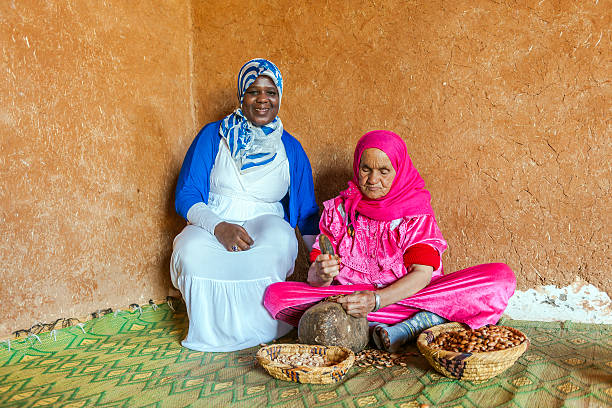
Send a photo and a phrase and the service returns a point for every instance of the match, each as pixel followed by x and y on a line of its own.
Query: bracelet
pixel 376 302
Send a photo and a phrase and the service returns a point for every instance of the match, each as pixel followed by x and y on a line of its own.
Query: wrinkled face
pixel 376 173
pixel 260 101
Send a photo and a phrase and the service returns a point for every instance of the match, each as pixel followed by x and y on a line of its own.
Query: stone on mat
pixel 327 324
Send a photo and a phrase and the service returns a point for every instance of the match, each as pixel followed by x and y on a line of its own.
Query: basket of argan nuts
pixel 456 351
pixel 306 363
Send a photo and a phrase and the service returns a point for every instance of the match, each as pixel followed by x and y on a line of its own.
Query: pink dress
pixel 372 257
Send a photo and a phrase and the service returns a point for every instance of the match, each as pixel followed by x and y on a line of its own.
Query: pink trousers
pixel 476 296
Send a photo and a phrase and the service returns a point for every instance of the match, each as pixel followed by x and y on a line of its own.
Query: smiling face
pixel 260 102
pixel 376 173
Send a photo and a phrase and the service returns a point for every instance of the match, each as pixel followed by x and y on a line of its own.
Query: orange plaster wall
pixel 505 108
pixel 95 110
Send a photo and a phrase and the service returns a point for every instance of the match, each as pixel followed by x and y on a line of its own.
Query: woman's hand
pixel 323 270
pixel 233 237
pixel 358 304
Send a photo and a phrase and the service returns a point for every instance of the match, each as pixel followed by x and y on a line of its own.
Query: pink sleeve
pixel 421 229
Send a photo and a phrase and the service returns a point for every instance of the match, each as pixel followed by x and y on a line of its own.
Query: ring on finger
pixel 235 248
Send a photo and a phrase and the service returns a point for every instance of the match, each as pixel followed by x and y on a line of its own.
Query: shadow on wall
pixel 217 104
pixel 330 182
pixel 174 225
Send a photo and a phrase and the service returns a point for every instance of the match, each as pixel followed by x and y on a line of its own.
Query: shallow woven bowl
pixel 468 366
pixel 341 357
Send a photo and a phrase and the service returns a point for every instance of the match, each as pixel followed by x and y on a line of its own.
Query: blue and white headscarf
pixel 250 145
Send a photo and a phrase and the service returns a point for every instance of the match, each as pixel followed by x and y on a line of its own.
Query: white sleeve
pixel 199 214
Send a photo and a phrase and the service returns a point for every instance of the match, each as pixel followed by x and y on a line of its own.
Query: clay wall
pixel 95 112
pixel 505 107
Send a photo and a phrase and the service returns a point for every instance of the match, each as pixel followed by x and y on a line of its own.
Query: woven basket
pixel 468 366
pixel 341 358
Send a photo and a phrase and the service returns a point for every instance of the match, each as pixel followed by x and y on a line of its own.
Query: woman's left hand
pixel 358 304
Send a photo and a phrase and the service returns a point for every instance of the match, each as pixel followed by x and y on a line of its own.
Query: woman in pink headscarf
pixel 389 249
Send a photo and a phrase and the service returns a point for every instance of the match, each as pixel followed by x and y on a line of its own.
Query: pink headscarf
pixel 407 196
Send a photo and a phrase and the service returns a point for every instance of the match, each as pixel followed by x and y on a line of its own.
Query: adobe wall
pixel 505 107
pixel 94 113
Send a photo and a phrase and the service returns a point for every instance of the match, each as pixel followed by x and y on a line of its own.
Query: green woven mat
pixel 134 359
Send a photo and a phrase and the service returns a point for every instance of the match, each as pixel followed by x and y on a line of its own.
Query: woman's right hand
pixel 233 237
pixel 323 270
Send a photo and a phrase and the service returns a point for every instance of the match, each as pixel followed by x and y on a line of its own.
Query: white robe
pixel 223 291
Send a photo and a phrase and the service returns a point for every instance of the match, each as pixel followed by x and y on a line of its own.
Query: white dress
pixel 223 291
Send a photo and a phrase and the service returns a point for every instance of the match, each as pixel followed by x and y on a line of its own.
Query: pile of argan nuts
pixel 381 359
pixel 302 359
pixel 487 338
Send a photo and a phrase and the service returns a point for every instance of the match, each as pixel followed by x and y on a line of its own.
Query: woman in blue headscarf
pixel 244 186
